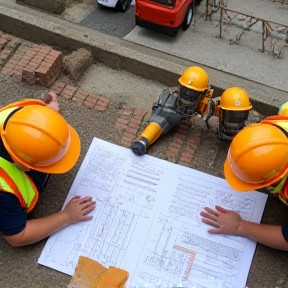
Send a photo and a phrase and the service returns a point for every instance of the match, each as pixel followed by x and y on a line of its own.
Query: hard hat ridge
pixel 40 139
pixel 194 78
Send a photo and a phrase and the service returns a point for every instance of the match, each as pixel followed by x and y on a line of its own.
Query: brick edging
pixel 37 63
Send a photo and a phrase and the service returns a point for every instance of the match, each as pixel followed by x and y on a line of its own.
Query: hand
pixel 51 101
pixel 77 209
pixel 225 221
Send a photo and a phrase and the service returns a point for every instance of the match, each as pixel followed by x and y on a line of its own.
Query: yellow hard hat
pixel 236 99
pixel 257 157
pixel 40 139
pixel 283 110
pixel 194 78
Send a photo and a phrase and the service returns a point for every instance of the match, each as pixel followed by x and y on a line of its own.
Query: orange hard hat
pixel 278 120
pixel 195 78
pixel 257 157
pixel 236 99
pixel 40 139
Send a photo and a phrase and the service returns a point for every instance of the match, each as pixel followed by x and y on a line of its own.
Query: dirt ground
pixel 19 266
pixel 121 86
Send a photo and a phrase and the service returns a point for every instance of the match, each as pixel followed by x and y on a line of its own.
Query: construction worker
pixel 35 142
pixel 257 158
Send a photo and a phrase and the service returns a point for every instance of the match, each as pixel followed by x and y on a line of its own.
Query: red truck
pixel 164 16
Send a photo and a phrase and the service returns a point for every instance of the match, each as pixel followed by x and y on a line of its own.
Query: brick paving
pixel 34 63
pixel 40 63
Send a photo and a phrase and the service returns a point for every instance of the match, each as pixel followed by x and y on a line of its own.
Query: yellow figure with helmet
pixel 257 158
pixel 233 110
pixel 194 95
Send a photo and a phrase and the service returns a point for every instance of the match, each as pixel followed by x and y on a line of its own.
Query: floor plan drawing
pixel 148 222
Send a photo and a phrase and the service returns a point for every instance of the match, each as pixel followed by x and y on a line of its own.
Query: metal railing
pixel 277 33
pixel 281 1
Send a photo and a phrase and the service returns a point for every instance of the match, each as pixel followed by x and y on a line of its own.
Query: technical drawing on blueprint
pixel 147 221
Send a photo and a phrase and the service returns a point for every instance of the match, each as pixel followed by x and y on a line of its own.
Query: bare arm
pixel 38 229
pixel 229 222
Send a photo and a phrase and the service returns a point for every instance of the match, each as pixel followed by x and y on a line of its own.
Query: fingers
pixel 220 209
pixel 214 231
pixel 86 204
pixel 84 199
pixel 76 197
pixel 86 218
pixel 210 222
pixel 53 95
pixel 88 207
pixel 211 215
pixel 208 216
pixel 50 96
pixel 47 98
pixel 211 218
pixel 50 99
pixel 214 212
pixel 211 211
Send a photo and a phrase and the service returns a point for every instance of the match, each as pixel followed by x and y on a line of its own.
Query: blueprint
pixel 147 221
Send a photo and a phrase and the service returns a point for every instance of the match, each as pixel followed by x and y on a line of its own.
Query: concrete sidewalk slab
pixel 201 44
pixel 116 53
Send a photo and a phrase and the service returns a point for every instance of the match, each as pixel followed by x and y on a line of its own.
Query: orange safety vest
pixel 15 181
pixel 280 190
pixel 12 179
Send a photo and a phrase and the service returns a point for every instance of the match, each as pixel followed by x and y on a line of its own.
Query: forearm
pixel 269 235
pixel 38 229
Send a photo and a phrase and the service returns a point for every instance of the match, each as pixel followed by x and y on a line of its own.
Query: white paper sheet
pixel 148 222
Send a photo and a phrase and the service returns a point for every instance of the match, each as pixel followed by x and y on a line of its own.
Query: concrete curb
pixel 40 27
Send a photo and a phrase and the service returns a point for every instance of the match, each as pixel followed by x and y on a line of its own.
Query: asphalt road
pixel 110 21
